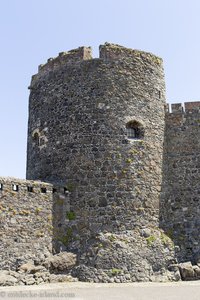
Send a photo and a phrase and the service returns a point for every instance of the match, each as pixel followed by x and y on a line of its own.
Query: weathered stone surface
pixel 6 279
pixel 196 272
pixel 30 268
pixel 26 221
pixel 61 278
pixel 179 209
pixel 61 262
pixel 187 271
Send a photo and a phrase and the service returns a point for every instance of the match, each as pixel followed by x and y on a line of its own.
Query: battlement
pixel 15 185
pixel 186 107
pixel 107 52
pixel 72 56
pixel 81 53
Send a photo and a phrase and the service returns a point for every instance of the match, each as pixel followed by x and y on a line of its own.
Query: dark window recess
pixel 159 94
pixel 65 190
pixel 15 187
pixel 36 139
pixel 1 186
pixel 43 190
pixel 134 130
pixel 30 189
pixel 54 190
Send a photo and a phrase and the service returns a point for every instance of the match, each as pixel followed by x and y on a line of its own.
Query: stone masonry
pixel 112 174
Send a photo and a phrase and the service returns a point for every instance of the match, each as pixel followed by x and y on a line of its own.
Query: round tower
pixel 96 126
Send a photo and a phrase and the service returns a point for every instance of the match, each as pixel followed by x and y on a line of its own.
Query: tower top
pixel 107 52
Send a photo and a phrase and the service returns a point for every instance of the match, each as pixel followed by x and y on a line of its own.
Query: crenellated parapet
pixel 186 107
pixel 27 187
pixel 107 53
pixel 72 56
pixel 69 57
pixel 10 185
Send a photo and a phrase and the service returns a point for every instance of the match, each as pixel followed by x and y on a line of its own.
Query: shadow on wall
pixel 62 231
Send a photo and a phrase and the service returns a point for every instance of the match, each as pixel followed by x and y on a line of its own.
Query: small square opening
pixel 65 190
pixel 43 190
pixel 15 187
pixel 30 189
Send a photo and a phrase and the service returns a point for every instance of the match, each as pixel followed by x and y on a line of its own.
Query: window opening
pixel 43 190
pixel 134 130
pixel 65 190
pixel 36 138
pixel 15 187
pixel 30 189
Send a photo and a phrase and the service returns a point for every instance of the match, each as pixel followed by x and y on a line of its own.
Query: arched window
pixel 134 130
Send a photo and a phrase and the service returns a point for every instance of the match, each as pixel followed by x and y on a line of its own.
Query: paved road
pixel 88 291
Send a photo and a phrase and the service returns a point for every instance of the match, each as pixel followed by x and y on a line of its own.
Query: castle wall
pixel 28 224
pixel 181 168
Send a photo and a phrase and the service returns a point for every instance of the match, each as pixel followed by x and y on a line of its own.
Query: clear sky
pixel 31 31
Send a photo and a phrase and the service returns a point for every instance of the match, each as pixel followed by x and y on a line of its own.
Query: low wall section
pixel 28 226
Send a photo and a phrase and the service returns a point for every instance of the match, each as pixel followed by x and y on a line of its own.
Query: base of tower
pixel 136 255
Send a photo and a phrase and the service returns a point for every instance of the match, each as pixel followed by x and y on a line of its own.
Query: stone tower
pixel 97 127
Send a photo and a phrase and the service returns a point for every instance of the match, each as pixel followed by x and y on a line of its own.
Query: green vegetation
pixel 115 272
pixel 38 210
pixel 129 160
pixel 170 233
pixel 150 240
pixel 70 215
pixel 39 234
pixel 165 239
pixel 133 151
pixel 111 238
pixel 66 238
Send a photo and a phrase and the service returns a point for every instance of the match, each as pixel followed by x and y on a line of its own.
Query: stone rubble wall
pixel 180 207
pixel 29 221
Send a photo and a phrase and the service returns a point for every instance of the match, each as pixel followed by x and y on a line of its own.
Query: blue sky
pixel 34 30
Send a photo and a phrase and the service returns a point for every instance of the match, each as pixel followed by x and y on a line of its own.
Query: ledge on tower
pixel 113 52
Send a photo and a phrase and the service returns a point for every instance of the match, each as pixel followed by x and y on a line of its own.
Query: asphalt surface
pixel 91 291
